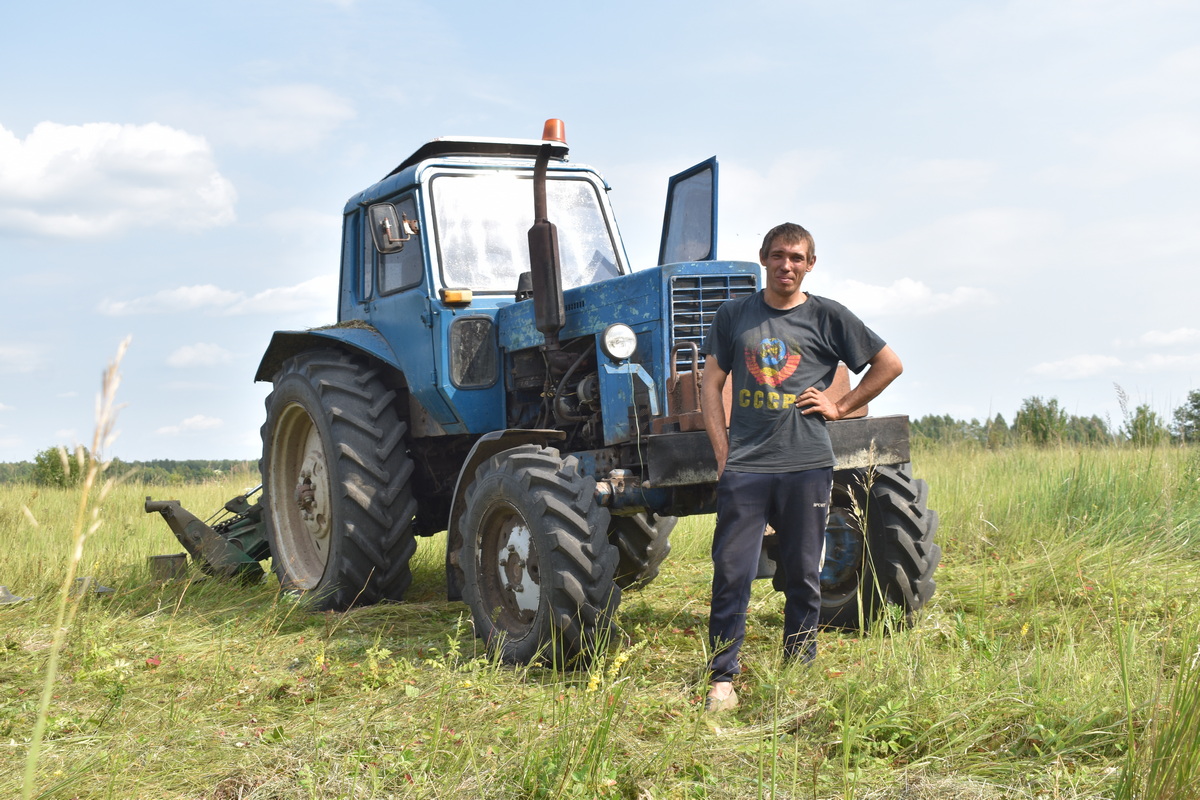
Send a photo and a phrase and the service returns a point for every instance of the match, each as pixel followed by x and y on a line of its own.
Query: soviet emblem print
pixel 772 362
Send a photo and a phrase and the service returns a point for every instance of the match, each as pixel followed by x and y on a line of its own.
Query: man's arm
pixel 712 406
pixel 884 368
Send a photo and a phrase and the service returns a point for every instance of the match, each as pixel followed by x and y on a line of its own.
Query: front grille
pixel 695 300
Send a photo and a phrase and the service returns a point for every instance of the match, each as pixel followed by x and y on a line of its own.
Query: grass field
pixel 1059 658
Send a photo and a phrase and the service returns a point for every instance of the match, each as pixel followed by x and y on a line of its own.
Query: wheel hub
pixel 306 496
pixel 843 553
pixel 312 490
pixel 518 575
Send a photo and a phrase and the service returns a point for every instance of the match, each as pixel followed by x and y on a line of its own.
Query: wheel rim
pixel 507 564
pixel 843 556
pixel 300 497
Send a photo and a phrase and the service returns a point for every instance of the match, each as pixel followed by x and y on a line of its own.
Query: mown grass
pixel 1059 658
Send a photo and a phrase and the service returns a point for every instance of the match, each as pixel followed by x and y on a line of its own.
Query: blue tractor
pixel 499 371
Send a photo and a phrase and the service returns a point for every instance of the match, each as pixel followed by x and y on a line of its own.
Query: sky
pixel 1008 192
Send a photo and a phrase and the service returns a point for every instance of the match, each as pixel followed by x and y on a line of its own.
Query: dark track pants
pixel 796 505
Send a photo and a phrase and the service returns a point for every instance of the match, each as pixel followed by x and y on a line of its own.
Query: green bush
pixel 1145 428
pixel 54 466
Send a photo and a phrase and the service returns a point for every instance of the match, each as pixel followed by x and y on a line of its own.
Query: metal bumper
pixel 686 459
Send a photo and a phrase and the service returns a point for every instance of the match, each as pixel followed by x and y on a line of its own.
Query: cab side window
pixel 356 238
pixel 405 267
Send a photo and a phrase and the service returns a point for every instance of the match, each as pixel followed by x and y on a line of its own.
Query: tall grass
pixel 87 522
pixel 1164 764
pixel 1057 659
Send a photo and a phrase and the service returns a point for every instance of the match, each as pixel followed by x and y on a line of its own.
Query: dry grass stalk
pixel 87 522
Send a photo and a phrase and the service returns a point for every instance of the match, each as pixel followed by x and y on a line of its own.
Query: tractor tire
pixel 337 488
pixel 893 564
pixel 643 542
pixel 537 566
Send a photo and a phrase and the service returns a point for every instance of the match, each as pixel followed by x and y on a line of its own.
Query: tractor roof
pixel 461 146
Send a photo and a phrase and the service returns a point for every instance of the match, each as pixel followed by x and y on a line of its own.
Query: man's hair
pixel 789 233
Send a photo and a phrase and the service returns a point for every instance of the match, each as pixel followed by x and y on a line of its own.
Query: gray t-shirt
pixel 772 356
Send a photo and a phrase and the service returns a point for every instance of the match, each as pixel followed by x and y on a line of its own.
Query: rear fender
pixel 428 412
pixel 356 337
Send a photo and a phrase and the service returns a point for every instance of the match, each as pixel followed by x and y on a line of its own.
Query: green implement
pixel 229 547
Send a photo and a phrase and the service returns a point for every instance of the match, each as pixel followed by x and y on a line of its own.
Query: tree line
pixel 1041 421
pixel 1038 421
pixel 58 467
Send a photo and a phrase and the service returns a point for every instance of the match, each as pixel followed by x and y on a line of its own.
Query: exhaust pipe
pixel 544 262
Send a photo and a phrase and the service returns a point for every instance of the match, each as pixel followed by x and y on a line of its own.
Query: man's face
pixel 786 265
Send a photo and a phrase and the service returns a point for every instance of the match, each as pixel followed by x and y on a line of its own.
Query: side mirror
pixel 390 229
pixel 524 286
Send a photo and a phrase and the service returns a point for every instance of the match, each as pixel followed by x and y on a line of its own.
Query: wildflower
pixel 614 668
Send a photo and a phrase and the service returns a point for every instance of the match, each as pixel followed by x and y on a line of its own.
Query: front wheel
pixel 537 566
pixel 337 487
pixel 643 541
pixel 879 547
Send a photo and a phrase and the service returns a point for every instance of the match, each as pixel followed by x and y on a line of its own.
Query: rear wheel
pixel 337 482
pixel 643 542
pixel 537 567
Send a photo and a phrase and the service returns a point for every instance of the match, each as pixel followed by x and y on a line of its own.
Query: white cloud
pixel 1164 338
pixel 199 355
pixel 318 293
pixel 905 296
pixel 102 178
pixel 1081 366
pixel 3 407
pixel 19 358
pixel 172 301
pixel 199 422
pixel 282 119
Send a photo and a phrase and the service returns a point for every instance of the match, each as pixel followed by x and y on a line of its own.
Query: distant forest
pixel 1039 421
pixel 1043 422
pixel 47 470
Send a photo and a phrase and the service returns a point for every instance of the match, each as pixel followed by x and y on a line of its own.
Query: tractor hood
pixel 640 300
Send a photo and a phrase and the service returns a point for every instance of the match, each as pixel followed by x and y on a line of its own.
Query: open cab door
pixel 690 223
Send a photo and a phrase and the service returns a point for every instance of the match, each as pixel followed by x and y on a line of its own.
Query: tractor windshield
pixel 482 223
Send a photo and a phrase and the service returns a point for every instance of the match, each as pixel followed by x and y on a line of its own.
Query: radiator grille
pixel 695 300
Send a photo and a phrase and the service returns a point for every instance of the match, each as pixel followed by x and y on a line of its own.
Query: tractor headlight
pixel 618 342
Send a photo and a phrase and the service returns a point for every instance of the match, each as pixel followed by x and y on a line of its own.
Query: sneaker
pixel 713 704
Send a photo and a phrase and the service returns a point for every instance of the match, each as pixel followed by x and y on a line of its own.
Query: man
pixel 780 347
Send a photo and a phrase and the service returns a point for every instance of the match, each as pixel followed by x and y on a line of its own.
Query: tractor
pixel 500 371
